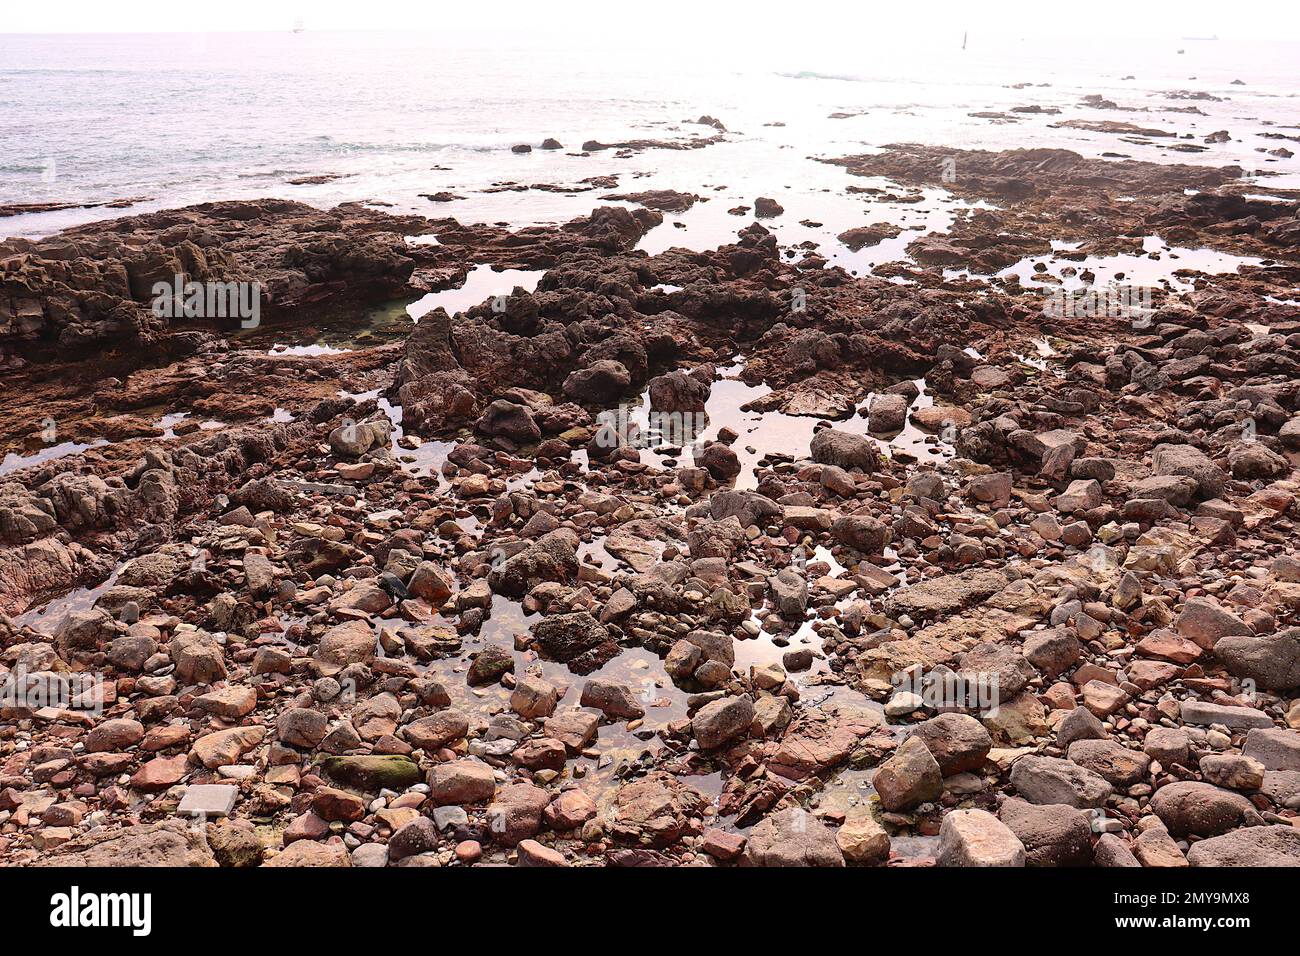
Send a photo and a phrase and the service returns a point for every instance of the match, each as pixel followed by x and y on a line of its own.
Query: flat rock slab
pixel 1234 718
pixel 208 799
pixel 937 597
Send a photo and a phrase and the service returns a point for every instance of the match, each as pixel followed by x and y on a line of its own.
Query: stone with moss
pixel 373 772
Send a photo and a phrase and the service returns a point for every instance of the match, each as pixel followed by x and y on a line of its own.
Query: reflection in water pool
pixel 762 433
pixel 14 461
pixel 482 283
pixel 1155 267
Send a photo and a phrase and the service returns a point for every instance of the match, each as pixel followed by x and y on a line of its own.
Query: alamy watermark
pixel 617 429
pixel 946 689
pixel 76 909
pixel 81 692
pixel 208 300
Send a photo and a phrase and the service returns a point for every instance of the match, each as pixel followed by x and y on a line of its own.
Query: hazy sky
pixel 834 22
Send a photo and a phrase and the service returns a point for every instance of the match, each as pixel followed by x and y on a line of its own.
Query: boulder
pixel 792 837
pixel 600 383
pixel 1206 623
pixel 1192 462
pixel 845 450
pixel 509 420
pixel 1274 748
pixel 612 698
pixel 679 391
pixel 862 534
pixel 1272 662
pixel 978 838
pixel 722 721
pixel 459 782
pixel 908 778
pixel 1253 846
pixel 958 742
pixel 1202 809
pixel 1052 834
pixel 1045 780
pixel 576 639
pixel 1111 760
pixel 862 840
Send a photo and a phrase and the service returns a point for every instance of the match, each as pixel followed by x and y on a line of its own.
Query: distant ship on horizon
pixel 298 26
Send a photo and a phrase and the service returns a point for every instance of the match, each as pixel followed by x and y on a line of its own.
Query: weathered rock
pixel 533 697
pixel 552 557
pixel 1045 780
pixel 867 535
pixel 611 698
pixel 862 840
pixel 351 642
pixel 1192 462
pixel 516 813
pixel 460 782
pixel 569 810
pixel 1272 661
pixel 199 659
pixel 1199 808
pixel 171 843
pixel 958 742
pixel 1111 761
pixel 654 812
pixel 910 777
pixel 1253 846
pixel 1052 834
pixel 845 450
pixel 436 731
pixel 978 838
pixel 373 771
pixel 1274 748
pixel 722 721
pixel 576 639
pixel 532 853
pixel 679 391
pixel 309 854
pixel 301 727
pixel 721 461
pixel 1233 771
pixel 114 735
pixel 225 747
pixel 1206 623
pixel 792 837
pixel 492 663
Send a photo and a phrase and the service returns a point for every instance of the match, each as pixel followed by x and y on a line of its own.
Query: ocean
pixel 173 119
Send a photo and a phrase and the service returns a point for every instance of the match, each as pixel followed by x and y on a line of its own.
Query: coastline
pixel 562 545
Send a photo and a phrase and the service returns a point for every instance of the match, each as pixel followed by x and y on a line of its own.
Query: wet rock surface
pixel 648 565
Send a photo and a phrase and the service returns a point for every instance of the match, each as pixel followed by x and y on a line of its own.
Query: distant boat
pixel 298 26
pixel 963 39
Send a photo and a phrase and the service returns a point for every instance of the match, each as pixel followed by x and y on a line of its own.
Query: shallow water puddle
pixel 169 422
pixel 1155 268
pixel 770 648
pixel 14 461
pixel 425 460
pixel 814 218
pixel 763 432
pixel 280 349
pixel 618 747
pixel 48 617
pixel 482 283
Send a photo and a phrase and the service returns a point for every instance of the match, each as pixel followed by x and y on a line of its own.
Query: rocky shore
pixel 701 558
